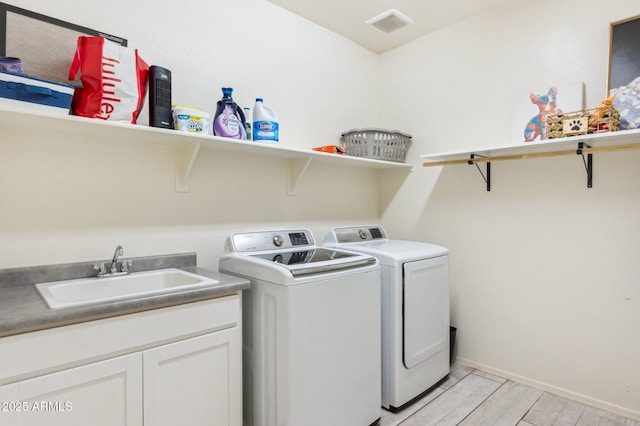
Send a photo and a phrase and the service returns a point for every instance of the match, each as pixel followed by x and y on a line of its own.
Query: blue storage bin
pixel 33 93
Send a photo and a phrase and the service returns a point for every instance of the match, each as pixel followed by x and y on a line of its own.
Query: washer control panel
pixel 278 240
pixel 271 240
pixel 358 234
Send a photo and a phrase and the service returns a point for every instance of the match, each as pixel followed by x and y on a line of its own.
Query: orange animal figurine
pixel 602 111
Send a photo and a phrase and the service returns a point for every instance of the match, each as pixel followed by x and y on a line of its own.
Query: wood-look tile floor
pixel 472 397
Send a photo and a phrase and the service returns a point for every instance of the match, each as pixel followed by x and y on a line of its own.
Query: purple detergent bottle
pixel 229 121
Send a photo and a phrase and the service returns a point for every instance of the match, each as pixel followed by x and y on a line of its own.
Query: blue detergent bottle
pixel 229 121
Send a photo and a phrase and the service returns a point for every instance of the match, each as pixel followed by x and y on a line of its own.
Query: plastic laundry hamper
pixel 377 144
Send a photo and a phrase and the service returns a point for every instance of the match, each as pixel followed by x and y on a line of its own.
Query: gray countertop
pixel 22 309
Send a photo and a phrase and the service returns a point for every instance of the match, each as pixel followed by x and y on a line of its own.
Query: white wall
pixel 67 199
pixel 544 272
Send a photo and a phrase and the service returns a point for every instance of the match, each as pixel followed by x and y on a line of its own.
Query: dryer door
pixel 425 309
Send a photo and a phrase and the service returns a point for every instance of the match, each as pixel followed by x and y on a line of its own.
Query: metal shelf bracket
pixel 487 175
pixel 588 162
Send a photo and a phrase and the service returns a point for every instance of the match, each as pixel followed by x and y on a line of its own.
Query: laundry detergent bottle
pixel 265 123
pixel 229 121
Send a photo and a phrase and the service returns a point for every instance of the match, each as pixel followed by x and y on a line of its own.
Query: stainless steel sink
pixel 63 294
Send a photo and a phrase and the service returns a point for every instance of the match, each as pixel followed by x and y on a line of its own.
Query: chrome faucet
pixel 114 261
pixel 109 271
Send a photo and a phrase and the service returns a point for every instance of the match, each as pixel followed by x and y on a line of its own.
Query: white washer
pixel 311 330
pixel 415 310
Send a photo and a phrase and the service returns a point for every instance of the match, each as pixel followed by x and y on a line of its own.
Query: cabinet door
pixel 106 393
pixel 10 405
pixel 195 382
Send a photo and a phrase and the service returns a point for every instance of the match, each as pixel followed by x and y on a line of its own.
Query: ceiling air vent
pixel 390 21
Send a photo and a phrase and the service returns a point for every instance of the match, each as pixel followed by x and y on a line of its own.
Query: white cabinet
pixel 9 412
pixel 171 366
pixel 194 379
pixel 105 393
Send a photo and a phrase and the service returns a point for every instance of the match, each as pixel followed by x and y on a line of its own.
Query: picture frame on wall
pixel 624 70
pixel 624 52
pixel 44 45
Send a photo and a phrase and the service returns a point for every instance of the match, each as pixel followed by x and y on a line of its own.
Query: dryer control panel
pixel 358 234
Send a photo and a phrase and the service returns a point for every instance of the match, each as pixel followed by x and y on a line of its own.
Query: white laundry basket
pixel 377 144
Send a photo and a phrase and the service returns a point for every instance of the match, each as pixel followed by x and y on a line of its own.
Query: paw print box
pixel 33 93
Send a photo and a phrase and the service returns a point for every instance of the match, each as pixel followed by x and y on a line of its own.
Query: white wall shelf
pixel 187 145
pixel 575 145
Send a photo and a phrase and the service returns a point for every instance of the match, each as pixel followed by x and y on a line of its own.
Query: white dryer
pixel 415 310
pixel 311 335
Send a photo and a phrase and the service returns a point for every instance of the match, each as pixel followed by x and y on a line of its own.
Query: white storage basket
pixel 377 144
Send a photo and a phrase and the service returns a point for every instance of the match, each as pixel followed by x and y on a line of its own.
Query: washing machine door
pixel 426 309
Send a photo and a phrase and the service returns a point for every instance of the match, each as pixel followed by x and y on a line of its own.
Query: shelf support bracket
pixel 297 168
pixel 588 162
pixel 185 158
pixel 486 176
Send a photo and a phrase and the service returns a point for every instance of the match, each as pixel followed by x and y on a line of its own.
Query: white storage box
pixel 33 93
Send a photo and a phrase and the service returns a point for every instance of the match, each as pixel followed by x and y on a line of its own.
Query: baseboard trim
pixel 552 389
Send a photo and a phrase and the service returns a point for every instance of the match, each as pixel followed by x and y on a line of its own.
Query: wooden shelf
pixel 575 145
pixel 187 145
